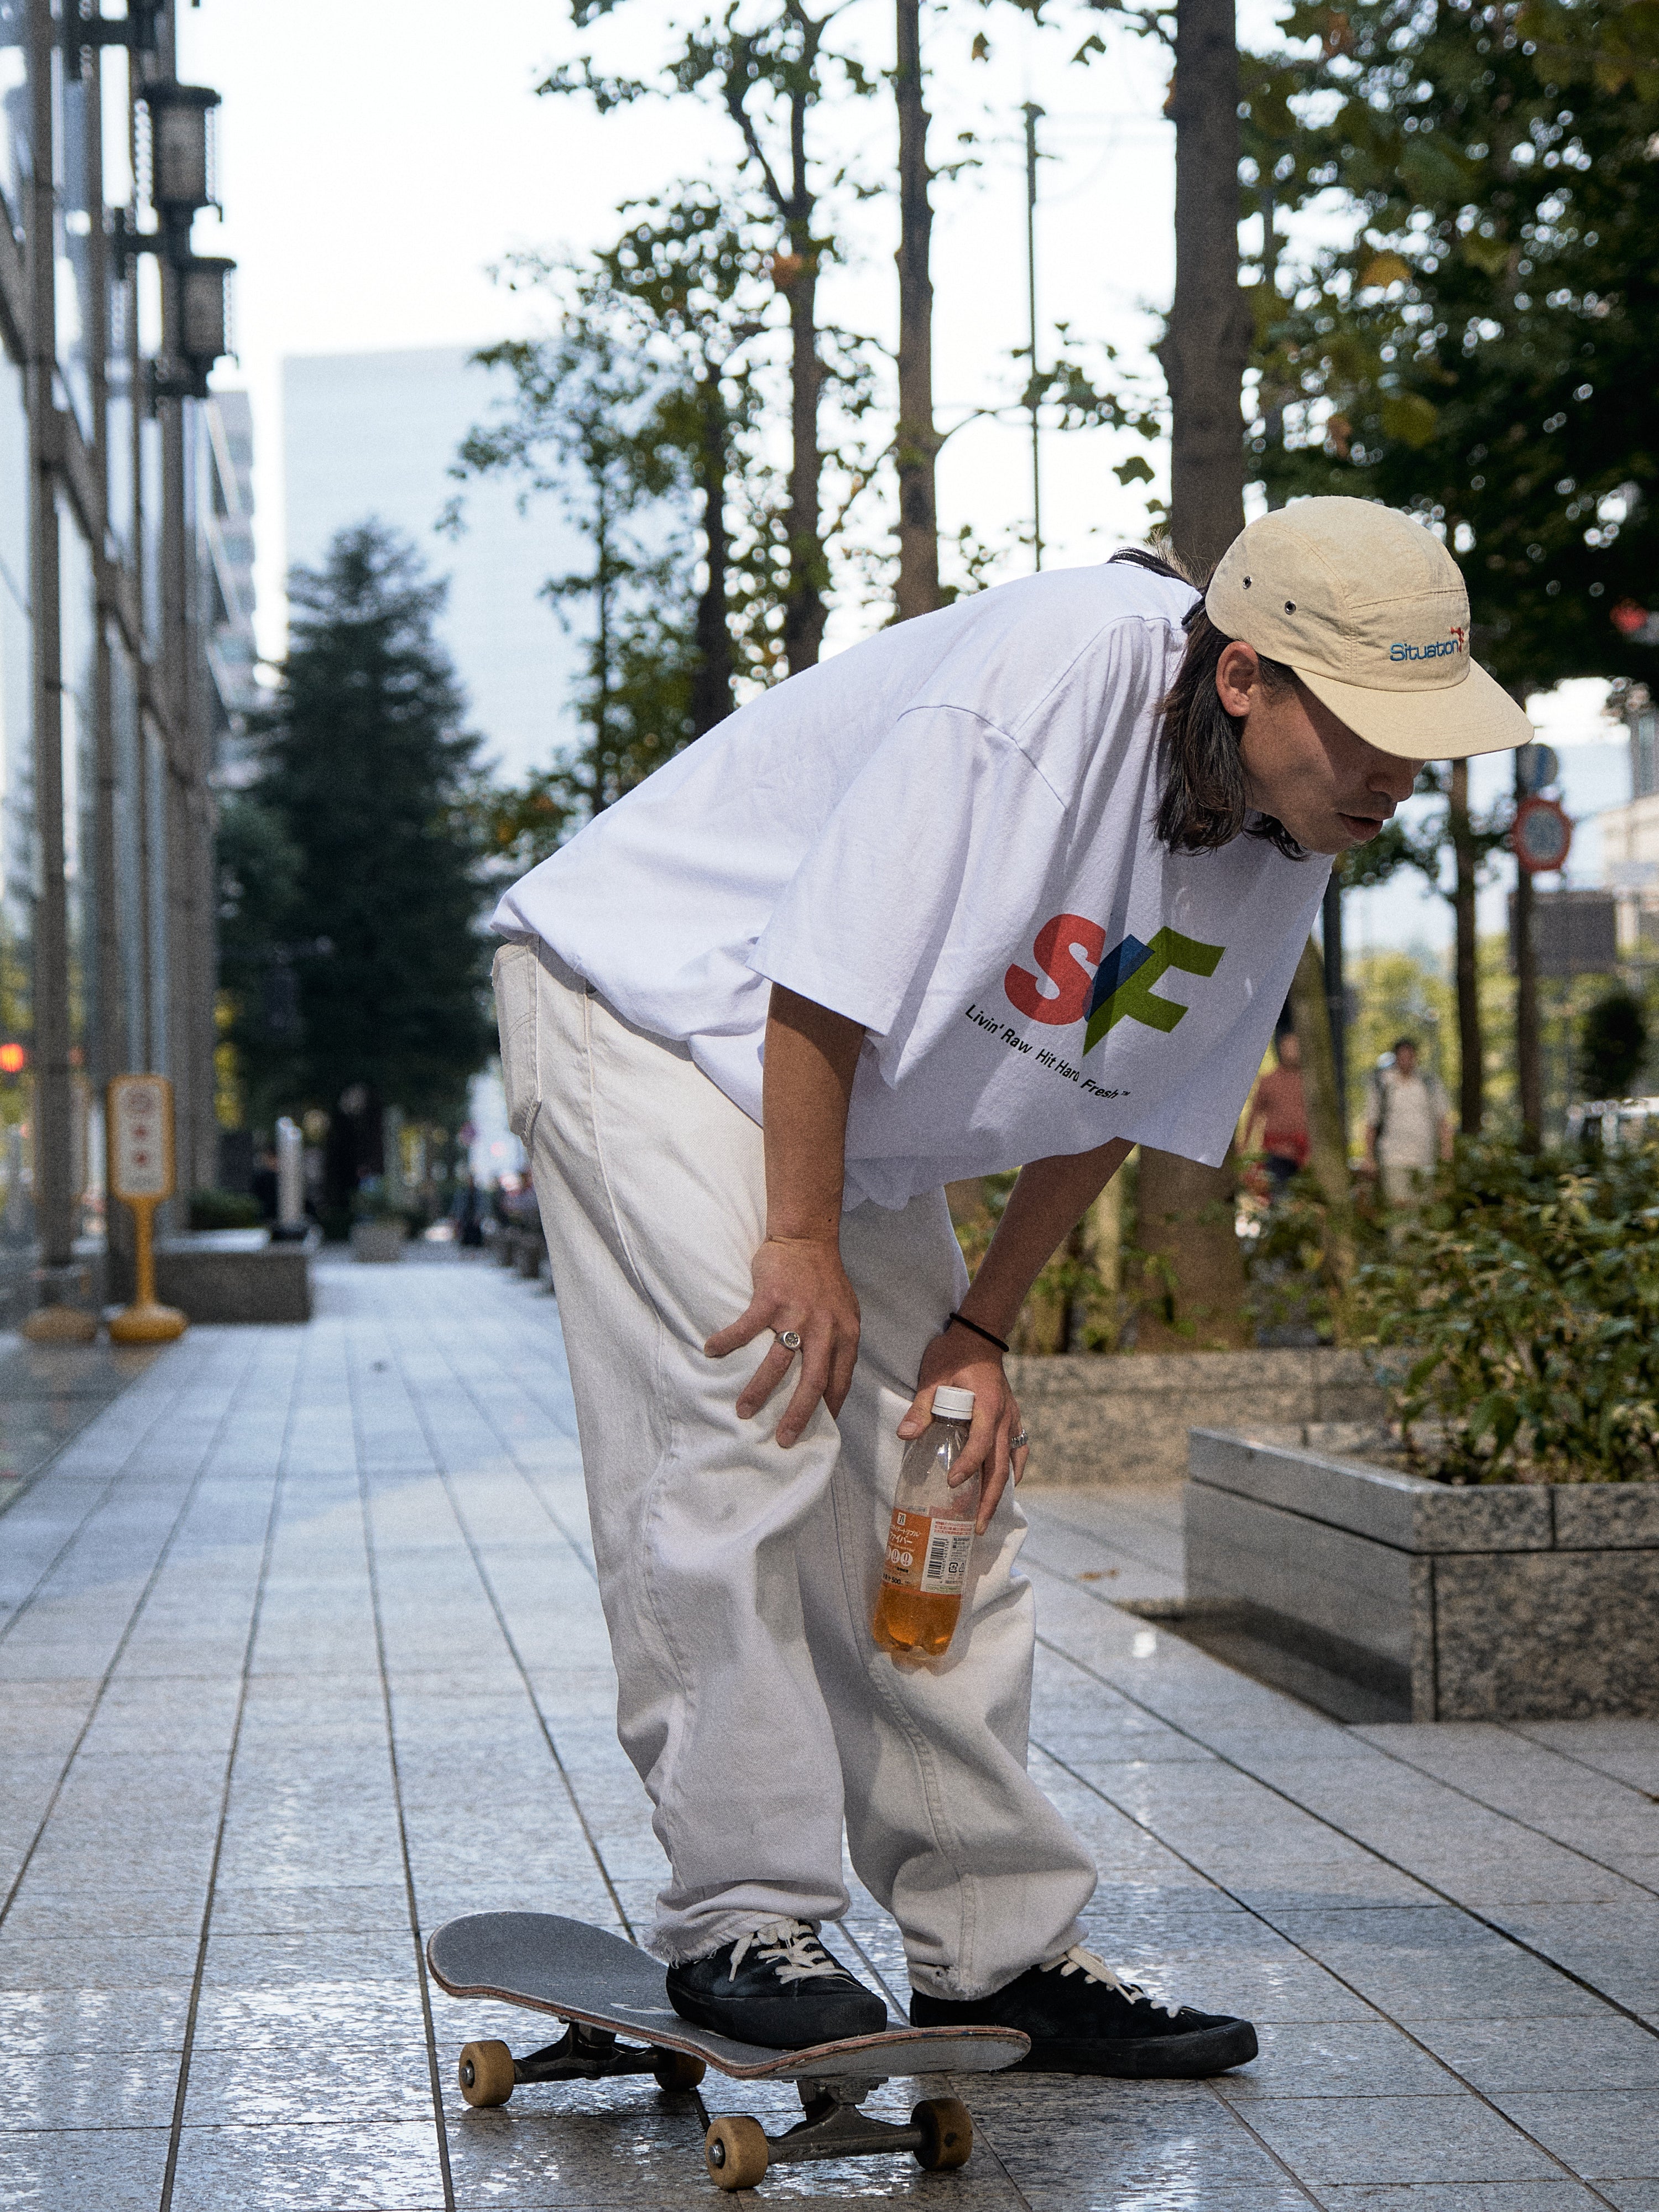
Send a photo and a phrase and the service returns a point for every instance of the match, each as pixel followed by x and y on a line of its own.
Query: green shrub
pixel 1519 1315
pixel 224 1209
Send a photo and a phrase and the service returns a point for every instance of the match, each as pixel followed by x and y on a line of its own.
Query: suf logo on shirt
pixel 1120 986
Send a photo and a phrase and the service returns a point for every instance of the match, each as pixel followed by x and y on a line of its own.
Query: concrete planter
pixel 234 1275
pixel 1502 1602
pixel 378 1241
pixel 1123 1418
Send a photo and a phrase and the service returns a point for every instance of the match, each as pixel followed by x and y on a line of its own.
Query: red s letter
pixel 1058 944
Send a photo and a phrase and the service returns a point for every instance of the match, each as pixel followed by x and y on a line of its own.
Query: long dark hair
pixel 1203 805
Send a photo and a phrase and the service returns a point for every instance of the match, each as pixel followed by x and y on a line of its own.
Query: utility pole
pixel 1032 113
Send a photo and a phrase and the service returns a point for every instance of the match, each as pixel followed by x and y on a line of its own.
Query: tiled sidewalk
pixel 299 1655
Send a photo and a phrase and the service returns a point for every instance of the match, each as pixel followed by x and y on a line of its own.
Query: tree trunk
pixel 1472 1086
pixel 797 278
pixel 1185 1217
pixel 1336 997
pixel 916 444
pixel 1328 1134
pixel 1327 1120
pixel 711 683
pixel 803 615
pixel 1208 343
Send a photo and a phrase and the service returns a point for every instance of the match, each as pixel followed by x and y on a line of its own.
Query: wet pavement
pixel 301 1654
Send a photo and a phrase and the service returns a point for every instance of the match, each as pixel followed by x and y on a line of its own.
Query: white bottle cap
pixel 951 1404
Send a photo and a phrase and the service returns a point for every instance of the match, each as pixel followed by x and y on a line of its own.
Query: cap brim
pixel 1476 716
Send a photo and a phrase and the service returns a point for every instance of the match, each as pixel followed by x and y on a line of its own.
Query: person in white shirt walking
pixel 1023 882
pixel 1408 1127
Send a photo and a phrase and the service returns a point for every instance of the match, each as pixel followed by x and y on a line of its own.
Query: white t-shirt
pixel 945 834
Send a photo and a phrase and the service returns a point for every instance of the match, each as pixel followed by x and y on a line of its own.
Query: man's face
pixel 1405 1059
pixel 1330 789
pixel 1290 1049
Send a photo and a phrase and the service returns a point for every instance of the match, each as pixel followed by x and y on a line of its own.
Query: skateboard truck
pixel 738 2150
pixel 489 2073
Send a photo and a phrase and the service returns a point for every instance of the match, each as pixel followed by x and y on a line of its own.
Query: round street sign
pixel 1535 766
pixel 1541 836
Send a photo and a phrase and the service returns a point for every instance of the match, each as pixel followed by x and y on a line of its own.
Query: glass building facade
pixel 125 639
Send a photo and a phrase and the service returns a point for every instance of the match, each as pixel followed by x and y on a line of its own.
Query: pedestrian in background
pixel 1408 1125
pixel 1277 1125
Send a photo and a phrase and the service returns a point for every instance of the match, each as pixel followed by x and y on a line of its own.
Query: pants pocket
pixel 515 976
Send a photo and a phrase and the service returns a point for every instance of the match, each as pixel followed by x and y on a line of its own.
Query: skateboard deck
pixel 604 1988
pixel 549 1964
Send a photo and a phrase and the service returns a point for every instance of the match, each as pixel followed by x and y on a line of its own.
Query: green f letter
pixel 1123 986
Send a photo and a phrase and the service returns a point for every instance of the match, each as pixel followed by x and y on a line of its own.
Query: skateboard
pixel 604 1987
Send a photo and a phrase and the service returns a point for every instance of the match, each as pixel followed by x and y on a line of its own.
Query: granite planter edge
pixel 1495 1603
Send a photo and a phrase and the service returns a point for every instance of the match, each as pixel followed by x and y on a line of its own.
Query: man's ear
pixel 1237 678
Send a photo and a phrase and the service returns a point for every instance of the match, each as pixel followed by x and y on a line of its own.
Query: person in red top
pixel 1277 1124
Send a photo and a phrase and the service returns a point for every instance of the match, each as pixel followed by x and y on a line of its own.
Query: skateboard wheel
pixel 737 2151
pixel 947 2133
pixel 677 2069
pixel 486 2072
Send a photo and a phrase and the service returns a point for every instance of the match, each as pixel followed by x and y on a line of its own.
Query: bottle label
pixel 928 1551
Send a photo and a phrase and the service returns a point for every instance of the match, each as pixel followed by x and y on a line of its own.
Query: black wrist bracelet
pixel 962 1321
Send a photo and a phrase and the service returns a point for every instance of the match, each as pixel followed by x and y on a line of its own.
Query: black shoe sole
pixel 1150 2057
pixel 774 2029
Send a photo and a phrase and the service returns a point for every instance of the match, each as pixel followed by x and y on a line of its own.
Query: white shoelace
pixel 790 1946
pixel 1077 1960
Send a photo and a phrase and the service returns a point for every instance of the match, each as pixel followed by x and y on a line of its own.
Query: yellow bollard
pixel 141 1175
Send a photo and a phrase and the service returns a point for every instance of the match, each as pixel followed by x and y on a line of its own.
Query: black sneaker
pixel 776 1985
pixel 1084 2018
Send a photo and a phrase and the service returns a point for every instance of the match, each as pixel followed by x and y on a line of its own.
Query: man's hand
pixel 799 1284
pixel 960 1359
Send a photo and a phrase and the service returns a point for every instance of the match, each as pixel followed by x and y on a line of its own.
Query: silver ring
pixel 788 1338
pixel 1019 1443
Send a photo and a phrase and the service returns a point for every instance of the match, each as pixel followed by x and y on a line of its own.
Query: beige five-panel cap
pixel 1369 609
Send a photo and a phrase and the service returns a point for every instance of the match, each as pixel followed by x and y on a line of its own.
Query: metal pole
pixel 54 1198
pixel 108 1054
pixel 144 1046
pixel 1032 111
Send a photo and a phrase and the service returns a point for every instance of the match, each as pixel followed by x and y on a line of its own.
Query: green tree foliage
pixel 584 423
pixel 639 414
pixel 1521 1313
pixel 1477 348
pixel 1612 1045
pixel 349 883
pixel 769 67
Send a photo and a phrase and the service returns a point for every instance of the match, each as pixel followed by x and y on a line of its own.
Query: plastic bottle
pixel 931 1539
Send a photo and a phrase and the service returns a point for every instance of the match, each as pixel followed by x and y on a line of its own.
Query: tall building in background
pixel 224 481
pixel 375 433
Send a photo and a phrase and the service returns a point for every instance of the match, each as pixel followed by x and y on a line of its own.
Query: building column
pixel 53 1146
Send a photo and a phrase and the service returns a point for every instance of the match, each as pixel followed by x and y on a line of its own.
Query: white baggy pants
pixel 737 1578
